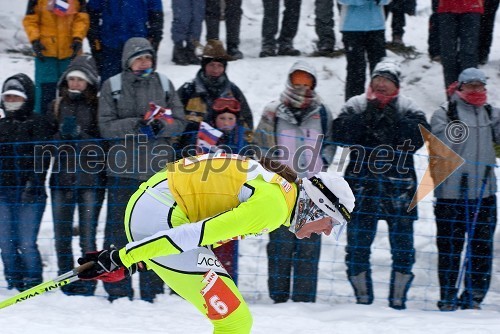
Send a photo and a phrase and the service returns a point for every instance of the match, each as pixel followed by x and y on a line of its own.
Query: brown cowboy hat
pixel 215 49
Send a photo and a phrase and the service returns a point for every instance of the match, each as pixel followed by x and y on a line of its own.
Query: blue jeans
pixel 361 232
pixel 64 202
pixel 188 16
pixel 20 221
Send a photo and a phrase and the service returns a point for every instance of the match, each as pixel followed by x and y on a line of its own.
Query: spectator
pixel 212 82
pixel 399 8
pixel 381 123
pixel 56 35
pixel 289 27
pixel 363 34
pixel 323 24
pixel 486 30
pixel 187 23
pixel 112 23
pixel 465 206
pixel 74 113
pixel 123 103
pixel 232 138
pixel 460 22
pixel 433 38
pixel 22 178
pixel 232 16
pixel 296 124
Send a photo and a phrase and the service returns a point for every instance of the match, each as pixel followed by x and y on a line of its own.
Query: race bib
pixel 220 301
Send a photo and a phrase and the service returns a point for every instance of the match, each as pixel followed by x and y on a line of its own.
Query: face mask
pixel 12 106
pixel 74 94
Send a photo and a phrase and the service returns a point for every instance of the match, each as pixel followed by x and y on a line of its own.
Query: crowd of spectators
pixel 115 100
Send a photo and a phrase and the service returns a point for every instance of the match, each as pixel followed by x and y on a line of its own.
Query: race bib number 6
pixel 220 300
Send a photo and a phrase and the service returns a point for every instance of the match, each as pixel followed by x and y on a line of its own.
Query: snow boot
pixel 400 284
pixel 363 287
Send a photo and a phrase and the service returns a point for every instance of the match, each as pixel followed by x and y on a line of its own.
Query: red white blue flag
pixel 61 7
pixel 157 112
pixel 208 137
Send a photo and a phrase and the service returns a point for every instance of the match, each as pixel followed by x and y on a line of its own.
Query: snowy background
pixel 262 80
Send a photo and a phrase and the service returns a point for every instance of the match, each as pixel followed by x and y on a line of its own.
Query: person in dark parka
pixel 381 123
pixel 22 178
pixel 78 175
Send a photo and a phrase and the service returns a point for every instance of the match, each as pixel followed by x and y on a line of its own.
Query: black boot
pixel 400 284
pixel 234 52
pixel 179 56
pixel 363 287
pixel 191 56
pixel 448 302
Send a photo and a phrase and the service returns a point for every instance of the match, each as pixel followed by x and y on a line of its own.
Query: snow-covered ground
pixel 262 80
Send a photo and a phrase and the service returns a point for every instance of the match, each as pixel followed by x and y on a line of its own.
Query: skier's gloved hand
pixel 38 47
pixel 107 266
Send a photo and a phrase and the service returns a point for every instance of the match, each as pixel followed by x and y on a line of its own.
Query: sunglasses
pixel 229 104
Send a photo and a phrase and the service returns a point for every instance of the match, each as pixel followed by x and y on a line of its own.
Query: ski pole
pixel 56 283
pixel 470 233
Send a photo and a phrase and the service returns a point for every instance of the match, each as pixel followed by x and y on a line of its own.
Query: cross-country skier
pixel 175 217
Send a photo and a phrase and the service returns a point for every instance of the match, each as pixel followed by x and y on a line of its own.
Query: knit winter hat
pixel 138 55
pixel 14 87
pixel 78 74
pixel 470 75
pixel 388 69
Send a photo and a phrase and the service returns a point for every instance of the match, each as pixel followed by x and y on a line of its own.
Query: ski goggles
pixel 226 104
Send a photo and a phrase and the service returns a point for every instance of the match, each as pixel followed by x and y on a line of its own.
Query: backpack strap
pixel 324 119
pixel 116 86
pixel 452 112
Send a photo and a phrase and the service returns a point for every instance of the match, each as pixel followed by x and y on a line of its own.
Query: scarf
pixel 299 98
pixel 477 99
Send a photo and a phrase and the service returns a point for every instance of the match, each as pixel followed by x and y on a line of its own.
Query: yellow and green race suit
pixel 198 202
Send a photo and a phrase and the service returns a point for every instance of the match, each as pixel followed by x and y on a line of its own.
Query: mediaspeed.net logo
pixel 443 161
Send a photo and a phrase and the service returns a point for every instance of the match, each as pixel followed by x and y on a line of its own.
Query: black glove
pixel 108 266
pixel 156 126
pixel 149 128
pixel 38 47
pixel 76 46
pixel 69 129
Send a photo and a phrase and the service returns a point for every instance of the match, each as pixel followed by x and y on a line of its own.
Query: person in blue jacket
pixel 112 23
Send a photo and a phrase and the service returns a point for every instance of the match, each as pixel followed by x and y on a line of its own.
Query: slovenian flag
pixel 207 137
pixel 61 7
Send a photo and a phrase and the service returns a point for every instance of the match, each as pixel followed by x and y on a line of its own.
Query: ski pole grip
pixel 84 267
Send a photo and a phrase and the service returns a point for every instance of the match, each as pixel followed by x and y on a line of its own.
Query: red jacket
pixel 461 6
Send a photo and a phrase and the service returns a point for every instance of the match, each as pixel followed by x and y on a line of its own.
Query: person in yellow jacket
pixel 55 29
pixel 196 203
